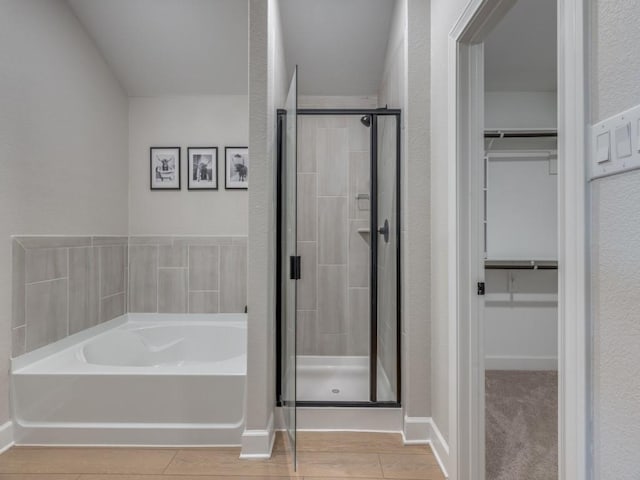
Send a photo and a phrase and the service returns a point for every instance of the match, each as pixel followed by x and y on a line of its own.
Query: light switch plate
pixel 623 141
pixel 615 144
pixel 603 147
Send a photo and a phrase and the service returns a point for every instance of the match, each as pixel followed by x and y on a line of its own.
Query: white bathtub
pixel 141 379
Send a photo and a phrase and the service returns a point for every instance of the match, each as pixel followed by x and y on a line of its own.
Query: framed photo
pixel 236 168
pixel 202 168
pixel 164 168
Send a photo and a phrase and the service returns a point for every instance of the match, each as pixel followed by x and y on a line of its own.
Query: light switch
pixel 623 141
pixel 603 147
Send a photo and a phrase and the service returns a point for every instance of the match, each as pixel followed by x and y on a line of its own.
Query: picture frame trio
pixel 202 168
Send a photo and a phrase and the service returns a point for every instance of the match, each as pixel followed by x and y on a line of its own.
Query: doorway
pixel 468 231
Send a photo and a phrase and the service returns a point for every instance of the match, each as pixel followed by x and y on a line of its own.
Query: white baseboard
pixel 520 363
pixel 6 436
pixel 439 446
pixel 415 430
pixel 258 443
pixel 424 431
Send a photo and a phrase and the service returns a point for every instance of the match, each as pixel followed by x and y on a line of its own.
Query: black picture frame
pixel 228 183
pixel 214 169
pixel 156 172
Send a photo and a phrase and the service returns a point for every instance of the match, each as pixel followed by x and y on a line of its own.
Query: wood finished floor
pixel 321 456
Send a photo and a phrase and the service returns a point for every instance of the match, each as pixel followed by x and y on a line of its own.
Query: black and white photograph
pixel 236 168
pixel 165 168
pixel 203 168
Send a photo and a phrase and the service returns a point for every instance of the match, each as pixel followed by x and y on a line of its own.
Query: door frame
pixel 374 113
pixel 465 112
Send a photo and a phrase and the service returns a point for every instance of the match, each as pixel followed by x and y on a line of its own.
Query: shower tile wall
pixel 333 294
pixel 187 274
pixel 62 285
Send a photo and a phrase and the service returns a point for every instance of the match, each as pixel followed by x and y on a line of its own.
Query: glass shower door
pixel 387 249
pixel 291 265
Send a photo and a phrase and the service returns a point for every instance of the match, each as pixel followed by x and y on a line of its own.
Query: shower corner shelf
pixel 364 231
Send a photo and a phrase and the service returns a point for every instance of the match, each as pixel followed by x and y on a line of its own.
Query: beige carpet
pixel 521 425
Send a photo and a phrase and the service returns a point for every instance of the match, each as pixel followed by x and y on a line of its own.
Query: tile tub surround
pixel 187 274
pixel 64 284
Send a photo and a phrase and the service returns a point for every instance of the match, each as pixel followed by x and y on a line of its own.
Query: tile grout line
pixel 157 247
pixel 27 284
pixel 188 279
pixel 128 278
pixel 68 288
pixel 24 299
pixel 122 292
pixel 219 276
pixel 98 253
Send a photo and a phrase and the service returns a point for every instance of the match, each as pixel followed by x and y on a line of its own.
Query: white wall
pixel 521 320
pixel 192 121
pixel 267 89
pixel 63 139
pixel 520 110
pixel 615 256
pixel 404 85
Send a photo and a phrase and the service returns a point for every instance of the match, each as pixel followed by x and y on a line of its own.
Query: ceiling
pixel 338 45
pixel 171 47
pixel 520 54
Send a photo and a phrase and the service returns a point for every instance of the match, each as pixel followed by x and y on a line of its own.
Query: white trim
pixel 572 250
pixel 439 446
pixel 424 431
pixel 6 436
pixel 416 430
pixel 258 443
pixel 520 363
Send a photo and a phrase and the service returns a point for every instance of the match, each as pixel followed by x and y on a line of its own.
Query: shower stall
pixel 338 308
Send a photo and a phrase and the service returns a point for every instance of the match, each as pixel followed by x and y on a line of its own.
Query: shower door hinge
pixel 480 288
pixel 294 268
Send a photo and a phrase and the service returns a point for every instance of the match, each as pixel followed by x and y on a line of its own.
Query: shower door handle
pixel 295 268
pixel 384 231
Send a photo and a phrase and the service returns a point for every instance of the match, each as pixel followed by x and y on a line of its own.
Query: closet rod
pixel 520 133
pixel 521 265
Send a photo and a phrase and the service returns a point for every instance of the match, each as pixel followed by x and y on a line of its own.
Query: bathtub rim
pixel 19 364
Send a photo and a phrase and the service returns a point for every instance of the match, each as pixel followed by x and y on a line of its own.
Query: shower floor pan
pixel 338 379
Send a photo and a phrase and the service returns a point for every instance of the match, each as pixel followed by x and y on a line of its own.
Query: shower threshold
pixel 338 379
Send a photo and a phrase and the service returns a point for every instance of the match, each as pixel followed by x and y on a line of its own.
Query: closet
pixel 520 249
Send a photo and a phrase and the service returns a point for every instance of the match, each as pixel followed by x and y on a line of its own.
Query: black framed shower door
pixel 375 229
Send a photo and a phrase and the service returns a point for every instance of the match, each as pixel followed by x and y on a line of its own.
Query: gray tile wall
pixel 333 294
pixel 182 274
pixel 62 285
